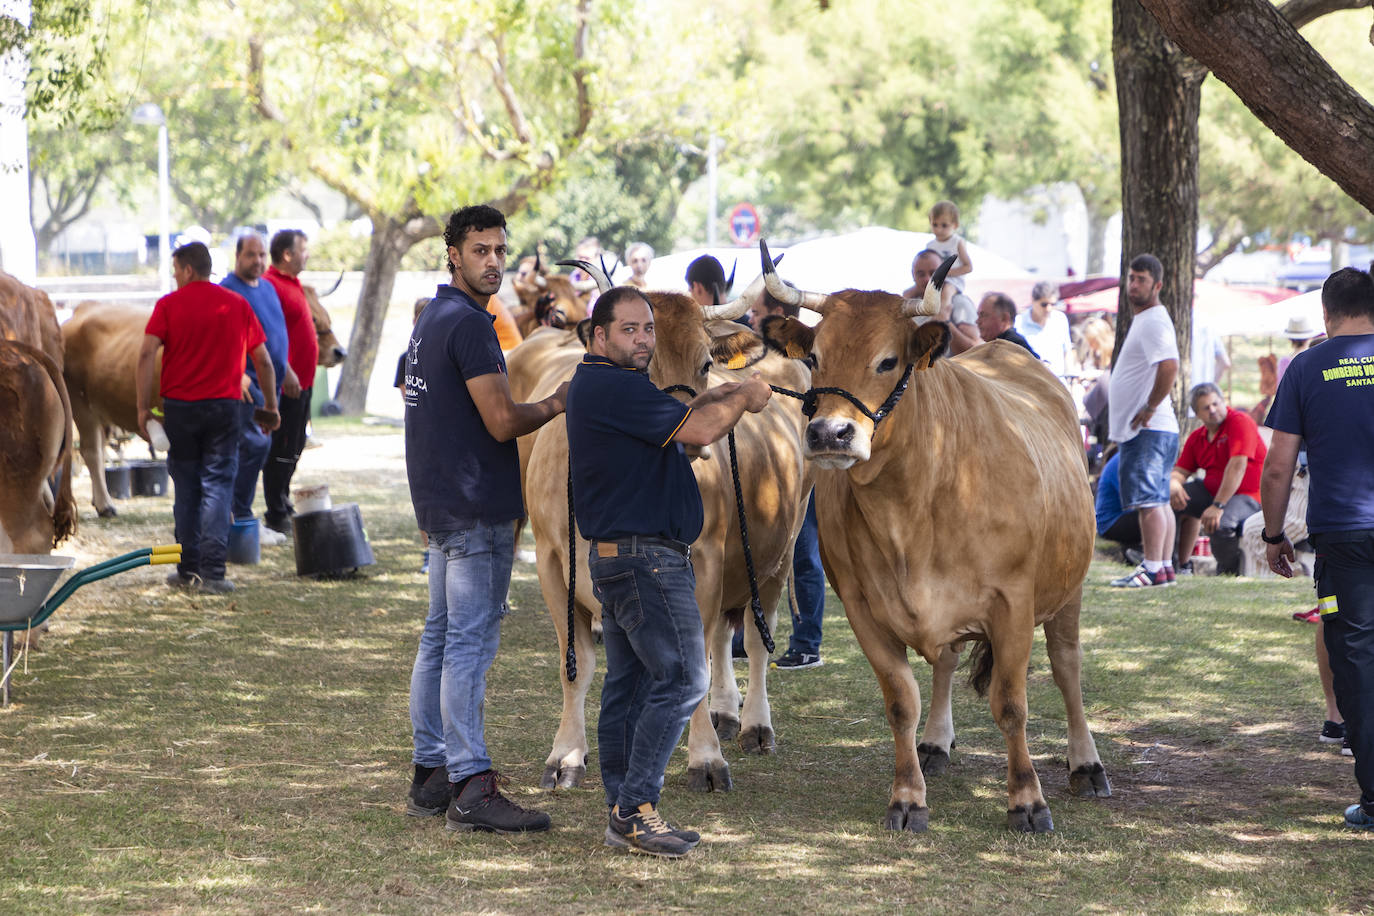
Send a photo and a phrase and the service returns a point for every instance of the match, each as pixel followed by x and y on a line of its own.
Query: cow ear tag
pixel 738 361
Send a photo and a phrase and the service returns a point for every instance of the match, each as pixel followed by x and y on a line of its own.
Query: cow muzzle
pixel 837 443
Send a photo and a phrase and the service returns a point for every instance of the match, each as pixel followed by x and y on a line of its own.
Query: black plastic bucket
pixel 149 478
pixel 331 542
pixel 117 480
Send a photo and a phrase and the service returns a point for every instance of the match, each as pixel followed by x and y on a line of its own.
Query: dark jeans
pixel 1345 597
pixel 288 441
pixel 253 445
pixel 655 666
pixel 810 586
pixel 201 460
pixel 1226 539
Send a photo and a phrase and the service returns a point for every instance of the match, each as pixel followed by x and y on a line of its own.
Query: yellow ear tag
pixel 738 361
pixel 924 363
pixel 794 351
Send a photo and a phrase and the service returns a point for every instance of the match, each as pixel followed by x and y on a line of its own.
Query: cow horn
pixel 599 279
pixel 730 282
pixel 737 306
pixel 334 287
pixel 929 304
pixel 540 280
pixel 788 295
pixel 538 264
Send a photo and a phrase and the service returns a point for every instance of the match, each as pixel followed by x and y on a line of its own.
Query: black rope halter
pixel 755 602
pixel 808 397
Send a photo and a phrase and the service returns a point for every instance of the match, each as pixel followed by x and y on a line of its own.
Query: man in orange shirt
pixel 290 249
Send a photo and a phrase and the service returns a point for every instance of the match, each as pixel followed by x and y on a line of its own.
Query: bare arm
pixel 1230 483
pixel 504 418
pixel 1276 483
pixel 962 337
pixel 714 414
pixel 1178 497
pixel 964 264
pixel 1165 373
pixel 291 385
pixel 267 381
pixel 147 380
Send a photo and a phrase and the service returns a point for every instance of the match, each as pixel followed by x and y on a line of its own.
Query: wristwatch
pixel 1220 505
pixel 1264 536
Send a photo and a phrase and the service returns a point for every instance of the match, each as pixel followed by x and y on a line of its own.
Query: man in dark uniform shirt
pixel 464 471
pixel 636 500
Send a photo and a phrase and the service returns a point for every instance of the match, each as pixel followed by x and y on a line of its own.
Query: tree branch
pixel 1252 48
pixel 1303 12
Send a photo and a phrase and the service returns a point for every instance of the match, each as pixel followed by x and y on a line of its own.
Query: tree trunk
pixel 1255 50
pixel 389 242
pixel 391 239
pixel 1159 98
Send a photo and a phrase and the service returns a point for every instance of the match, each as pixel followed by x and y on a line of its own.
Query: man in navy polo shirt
pixel 250 260
pixel 464 471
pixel 1326 399
pixel 636 499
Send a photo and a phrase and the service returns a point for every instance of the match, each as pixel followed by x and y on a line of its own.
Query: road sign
pixel 744 224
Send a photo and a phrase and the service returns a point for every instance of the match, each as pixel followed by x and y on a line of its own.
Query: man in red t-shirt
pixel 290 250
pixel 1228 449
pixel 204 332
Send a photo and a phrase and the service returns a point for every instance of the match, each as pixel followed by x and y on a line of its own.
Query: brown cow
pixel 776 486
pixel 35 442
pixel 963 514
pixel 27 315
pixel 101 342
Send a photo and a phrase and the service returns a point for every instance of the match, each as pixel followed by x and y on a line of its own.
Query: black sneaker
pixel 795 660
pixel 645 831
pixel 176 580
pixel 430 792
pixel 1332 732
pixel 479 805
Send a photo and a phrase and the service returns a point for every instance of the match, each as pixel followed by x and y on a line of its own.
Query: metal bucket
pixel 25 581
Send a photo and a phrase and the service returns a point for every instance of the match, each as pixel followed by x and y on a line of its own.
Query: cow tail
pixel 64 508
pixel 980 666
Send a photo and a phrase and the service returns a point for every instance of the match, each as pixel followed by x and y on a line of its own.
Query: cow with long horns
pixel 958 510
pixel 696 348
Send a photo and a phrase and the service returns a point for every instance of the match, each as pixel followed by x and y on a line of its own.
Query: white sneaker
pixel 269 538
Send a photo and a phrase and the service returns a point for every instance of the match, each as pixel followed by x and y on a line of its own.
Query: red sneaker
pixel 1311 616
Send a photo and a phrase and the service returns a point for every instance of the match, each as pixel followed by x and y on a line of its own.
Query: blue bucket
pixel 243 542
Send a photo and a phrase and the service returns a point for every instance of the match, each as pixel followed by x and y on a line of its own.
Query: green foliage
pixel 67 50
pixel 1248 176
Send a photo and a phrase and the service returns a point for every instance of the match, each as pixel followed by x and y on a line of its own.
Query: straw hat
pixel 1300 327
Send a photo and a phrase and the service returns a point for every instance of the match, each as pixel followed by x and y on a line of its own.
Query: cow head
pixel 331 351
pixel 862 345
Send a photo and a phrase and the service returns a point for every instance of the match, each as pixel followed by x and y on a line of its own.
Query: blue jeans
pixel 469 575
pixel 1146 460
pixel 254 445
pixel 810 586
pixel 655 666
pixel 202 457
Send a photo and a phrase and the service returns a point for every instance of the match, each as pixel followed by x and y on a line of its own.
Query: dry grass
pixel 177 754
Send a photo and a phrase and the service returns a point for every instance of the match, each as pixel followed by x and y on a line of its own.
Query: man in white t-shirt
pixel 1143 423
pixel 1046 328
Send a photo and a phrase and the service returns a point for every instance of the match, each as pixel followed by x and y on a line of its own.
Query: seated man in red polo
pixel 1228 449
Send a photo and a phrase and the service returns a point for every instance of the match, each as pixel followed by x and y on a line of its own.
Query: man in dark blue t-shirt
pixel 464 472
pixel 1326 399
pixel 636 500
pixel 250 260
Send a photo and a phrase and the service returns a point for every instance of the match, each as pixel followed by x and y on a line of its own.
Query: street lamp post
pixel 150 113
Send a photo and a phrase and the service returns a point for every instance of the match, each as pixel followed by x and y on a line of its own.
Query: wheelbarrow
pixel 26 579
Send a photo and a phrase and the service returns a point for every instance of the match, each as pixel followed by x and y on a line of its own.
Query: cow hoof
pixel 711 778
pixel 556 777
pixel 1090 781
pixel 107 512
pixel 1036 820
pixel 908 817
pixel 758 739
pixel 727 727
pixel 934 759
